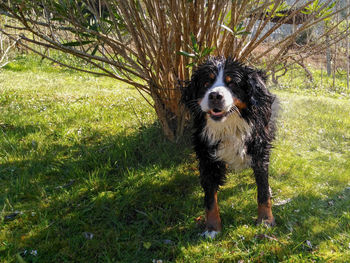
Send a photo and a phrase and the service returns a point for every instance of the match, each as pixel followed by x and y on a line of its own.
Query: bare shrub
pixel 153 44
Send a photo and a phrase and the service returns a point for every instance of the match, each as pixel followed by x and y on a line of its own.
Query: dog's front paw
pixel 265 216
pixel 210 234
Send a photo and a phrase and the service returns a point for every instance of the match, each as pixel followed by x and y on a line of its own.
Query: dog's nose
pixel 215 96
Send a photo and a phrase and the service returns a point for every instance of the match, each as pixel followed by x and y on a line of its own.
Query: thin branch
pixel 4 55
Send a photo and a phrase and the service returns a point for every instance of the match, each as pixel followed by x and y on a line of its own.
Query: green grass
pixel 296 81
pixel 81 155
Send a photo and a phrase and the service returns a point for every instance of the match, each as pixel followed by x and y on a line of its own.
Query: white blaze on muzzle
pixel 220 88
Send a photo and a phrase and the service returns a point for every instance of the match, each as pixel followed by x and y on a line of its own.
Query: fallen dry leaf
pixel 199 219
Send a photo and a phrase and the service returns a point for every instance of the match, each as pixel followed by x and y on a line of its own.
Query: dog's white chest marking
pixel 232 135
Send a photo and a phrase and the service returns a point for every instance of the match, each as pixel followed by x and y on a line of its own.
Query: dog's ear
pixel 187 92
pixel 257 86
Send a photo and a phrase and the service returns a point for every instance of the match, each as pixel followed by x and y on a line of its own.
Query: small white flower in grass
pixel 282 202
pixel 34 252
pixel 88 235
pixel 308 243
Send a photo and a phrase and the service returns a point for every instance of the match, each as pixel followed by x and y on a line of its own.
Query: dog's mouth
pixel 217 114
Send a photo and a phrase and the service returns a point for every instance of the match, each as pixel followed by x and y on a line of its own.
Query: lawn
pixel 87 176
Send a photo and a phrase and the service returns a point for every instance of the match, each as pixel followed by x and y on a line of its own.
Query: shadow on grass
pixel 134 199
pixel 131 192
pixel 16 131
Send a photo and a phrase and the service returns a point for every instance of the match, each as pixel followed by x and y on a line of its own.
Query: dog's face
pixel 222 87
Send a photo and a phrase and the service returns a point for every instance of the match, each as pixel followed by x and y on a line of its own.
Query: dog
pixel 234 123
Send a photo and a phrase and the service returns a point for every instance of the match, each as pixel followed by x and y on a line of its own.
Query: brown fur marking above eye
pixel 228 79
pixel 239 104
pixel 212 76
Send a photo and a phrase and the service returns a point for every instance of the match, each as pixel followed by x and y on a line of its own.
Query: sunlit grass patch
pixel 296 81
pixel 87 176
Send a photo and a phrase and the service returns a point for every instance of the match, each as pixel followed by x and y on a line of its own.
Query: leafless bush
pixel 7 45
pixel 153 44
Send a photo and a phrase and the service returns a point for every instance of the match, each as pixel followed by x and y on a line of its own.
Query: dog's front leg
pixel 264 195
pixel 212 175
pixel 212 212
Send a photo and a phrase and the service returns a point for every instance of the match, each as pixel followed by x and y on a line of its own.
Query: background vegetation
pixel 153 44
pixel 88 176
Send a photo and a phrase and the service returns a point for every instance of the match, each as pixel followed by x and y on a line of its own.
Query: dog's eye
pixel 231 84
pixel 206 84
pixel 228 79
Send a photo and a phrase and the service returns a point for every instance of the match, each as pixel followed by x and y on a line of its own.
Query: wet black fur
pixel 249 87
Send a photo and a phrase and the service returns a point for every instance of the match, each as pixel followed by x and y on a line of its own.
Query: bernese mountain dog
pixel 234 117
